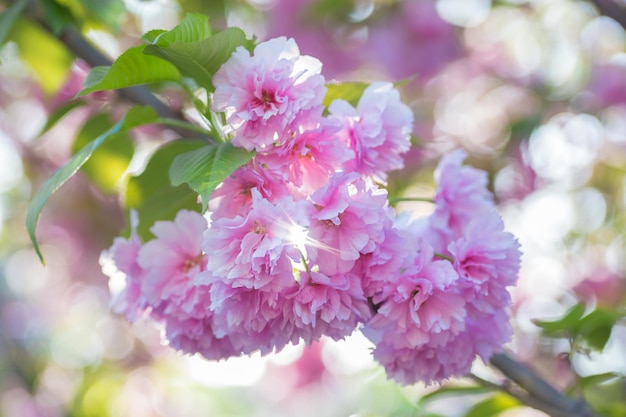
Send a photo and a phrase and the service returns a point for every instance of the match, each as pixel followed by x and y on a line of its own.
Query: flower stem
pixel 444 257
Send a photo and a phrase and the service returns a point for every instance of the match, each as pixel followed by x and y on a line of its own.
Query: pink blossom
pixel 348 222
pixel 196 335
pixel 427 364
pixel 437 363
pixel 421 307
pixel 251 319
pixel 382 265
pixel 487 258
pixel 262 94
pixel 311 155
pixel 171 261
pixel 130 301
pixel 256 250
pixel 461 195
pixel 161 278
pixel 378 130
pixel 326 305
pixel 428 328
pixel 234 195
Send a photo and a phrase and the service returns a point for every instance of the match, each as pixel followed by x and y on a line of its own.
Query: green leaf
pixel 106 167
pixel 151 35
pixel 607 398
pixel 567 324
pixel 9 17
pixel 596 327
pixel 592 329
pixel 151 193
pixel 140 115
pixel 492 406
pixel 133 118
pixel 205 168
pixel 592 380
pixel 199 60
pixel 58 178
pixel 194 27
pixel 348 91
pixel 131 68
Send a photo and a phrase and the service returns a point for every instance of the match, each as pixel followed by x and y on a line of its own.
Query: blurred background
pixel 534 90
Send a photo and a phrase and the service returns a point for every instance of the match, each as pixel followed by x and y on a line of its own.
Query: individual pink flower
pixel 130 301
pixel 461 195
pixel 486 257
pixel 262 94
pixel 161 283
pixel 196 335
pixel 481 338
pixel 326 305
pixel 256 250
pixel 426 364
pixel 311 155
pixel 378 131
pixel 382 265
pixel 251 319
pixel 348 222
pixel 421 307
pixel 234 195
pixel 435 364
pixel 171 261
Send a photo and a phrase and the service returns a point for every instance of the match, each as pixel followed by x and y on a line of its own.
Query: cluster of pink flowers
pixel 447 303
pixel 301 242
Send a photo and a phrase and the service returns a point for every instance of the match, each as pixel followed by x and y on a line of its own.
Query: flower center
pixel 265 100
pixel 192 262
pixel 258 228
pixel 266 97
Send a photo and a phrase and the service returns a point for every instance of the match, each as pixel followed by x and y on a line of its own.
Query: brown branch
pixel 539 390
pixel 519 394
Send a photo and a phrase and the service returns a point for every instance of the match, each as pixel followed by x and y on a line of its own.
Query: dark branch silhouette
pixel 545 397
